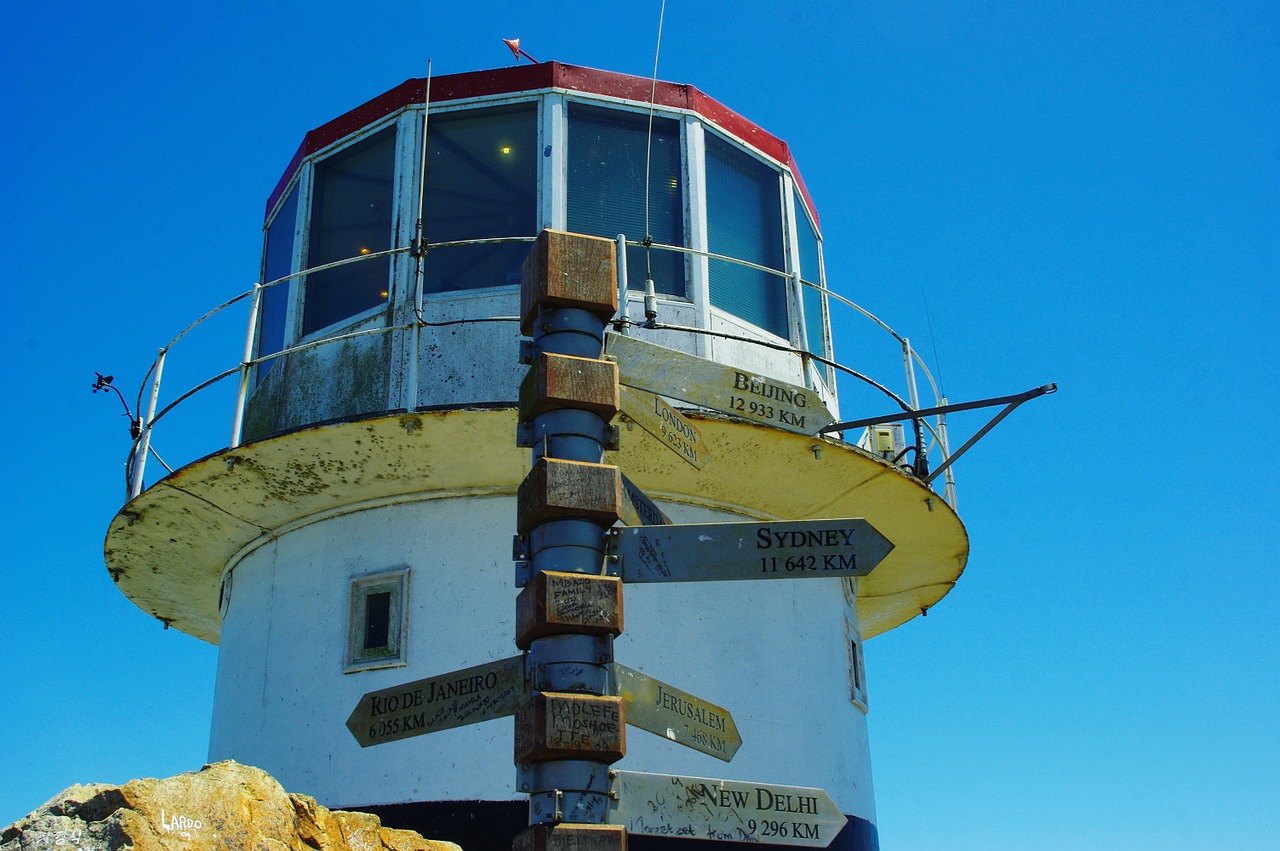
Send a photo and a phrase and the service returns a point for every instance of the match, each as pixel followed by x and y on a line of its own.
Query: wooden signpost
pixel 676 431
pixel 571 714
pixel 638 509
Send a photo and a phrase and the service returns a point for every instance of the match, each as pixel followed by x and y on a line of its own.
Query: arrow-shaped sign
pixel 638 509
pixel 675 714
pixel 676 431
pixel 722 810
pixel 732 391
pixel 791 549
pixel 468 696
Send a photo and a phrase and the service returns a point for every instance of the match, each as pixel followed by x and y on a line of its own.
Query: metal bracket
pixel 613 438
pixel 613 565
pixel 612 561
pixel 524 777
pixel 526 352
pixel 524 435
pixel 1014 400
pixel 520 555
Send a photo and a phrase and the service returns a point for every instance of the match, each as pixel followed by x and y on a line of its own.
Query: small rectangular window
pixel 376 625
pixel 377 621
pixel 857 668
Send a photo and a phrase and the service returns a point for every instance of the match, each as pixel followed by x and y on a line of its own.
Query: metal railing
pixel 149 417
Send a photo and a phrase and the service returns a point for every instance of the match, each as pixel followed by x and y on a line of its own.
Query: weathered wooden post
pixel 572 728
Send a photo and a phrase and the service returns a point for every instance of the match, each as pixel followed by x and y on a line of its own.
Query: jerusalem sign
pixel 675 714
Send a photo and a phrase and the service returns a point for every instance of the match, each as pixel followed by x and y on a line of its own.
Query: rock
pixel 220 807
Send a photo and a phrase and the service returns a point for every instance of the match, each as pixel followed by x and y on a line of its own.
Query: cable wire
pixel 648 145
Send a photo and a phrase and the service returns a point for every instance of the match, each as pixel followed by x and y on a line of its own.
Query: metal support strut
pixel 1010 402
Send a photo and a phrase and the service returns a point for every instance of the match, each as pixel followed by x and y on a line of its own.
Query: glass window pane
pixel 377 620
pixel 811 271
pixel 744 220
pixel 350 216
pixel 277 262
pixel 606 194
pixel 482 181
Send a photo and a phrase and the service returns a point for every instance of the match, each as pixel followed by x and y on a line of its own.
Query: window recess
pixel 376 624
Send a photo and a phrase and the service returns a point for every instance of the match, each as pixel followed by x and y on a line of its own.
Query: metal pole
pixel 144 436
pixel 912 394
pixel 944 442
pixel 565 507
pixel 802 327
pixel 250 338
pixel 624 305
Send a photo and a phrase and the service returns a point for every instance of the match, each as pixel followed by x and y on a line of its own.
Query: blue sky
pixel 1083 193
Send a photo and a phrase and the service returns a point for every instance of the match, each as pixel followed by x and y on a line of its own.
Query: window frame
pixel 359 658
pixel 295 187
pixel 680 118
pixel 783 275
pixel 294 329
pixel 857 666
pixel 543 132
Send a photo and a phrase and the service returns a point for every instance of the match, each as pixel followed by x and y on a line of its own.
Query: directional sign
pixel 722 810
pixel 676 715
pixel 790 549
pixel 638 509
pixel 664 422
pixel 739 393
pixel 456 699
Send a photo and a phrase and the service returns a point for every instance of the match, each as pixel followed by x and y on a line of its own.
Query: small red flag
pixel 514 44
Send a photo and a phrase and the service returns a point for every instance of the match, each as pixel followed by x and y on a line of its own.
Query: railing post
pixel 144 434
pixel 242 395
pixel 802 328
pixel 624 304
pixel 944 443
pixel 908 358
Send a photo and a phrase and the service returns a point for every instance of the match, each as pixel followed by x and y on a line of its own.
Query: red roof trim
pixel 515 79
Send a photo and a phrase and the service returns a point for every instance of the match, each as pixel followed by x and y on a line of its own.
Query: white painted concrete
pixel 773 652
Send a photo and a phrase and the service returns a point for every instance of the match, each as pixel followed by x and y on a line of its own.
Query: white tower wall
pixel 281 694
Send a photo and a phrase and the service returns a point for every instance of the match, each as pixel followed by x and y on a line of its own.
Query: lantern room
pixel 414 245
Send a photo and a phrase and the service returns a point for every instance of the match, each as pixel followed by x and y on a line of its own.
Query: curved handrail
pixel 141 448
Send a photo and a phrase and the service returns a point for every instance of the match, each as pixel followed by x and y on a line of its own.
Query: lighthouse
pixel 358 547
